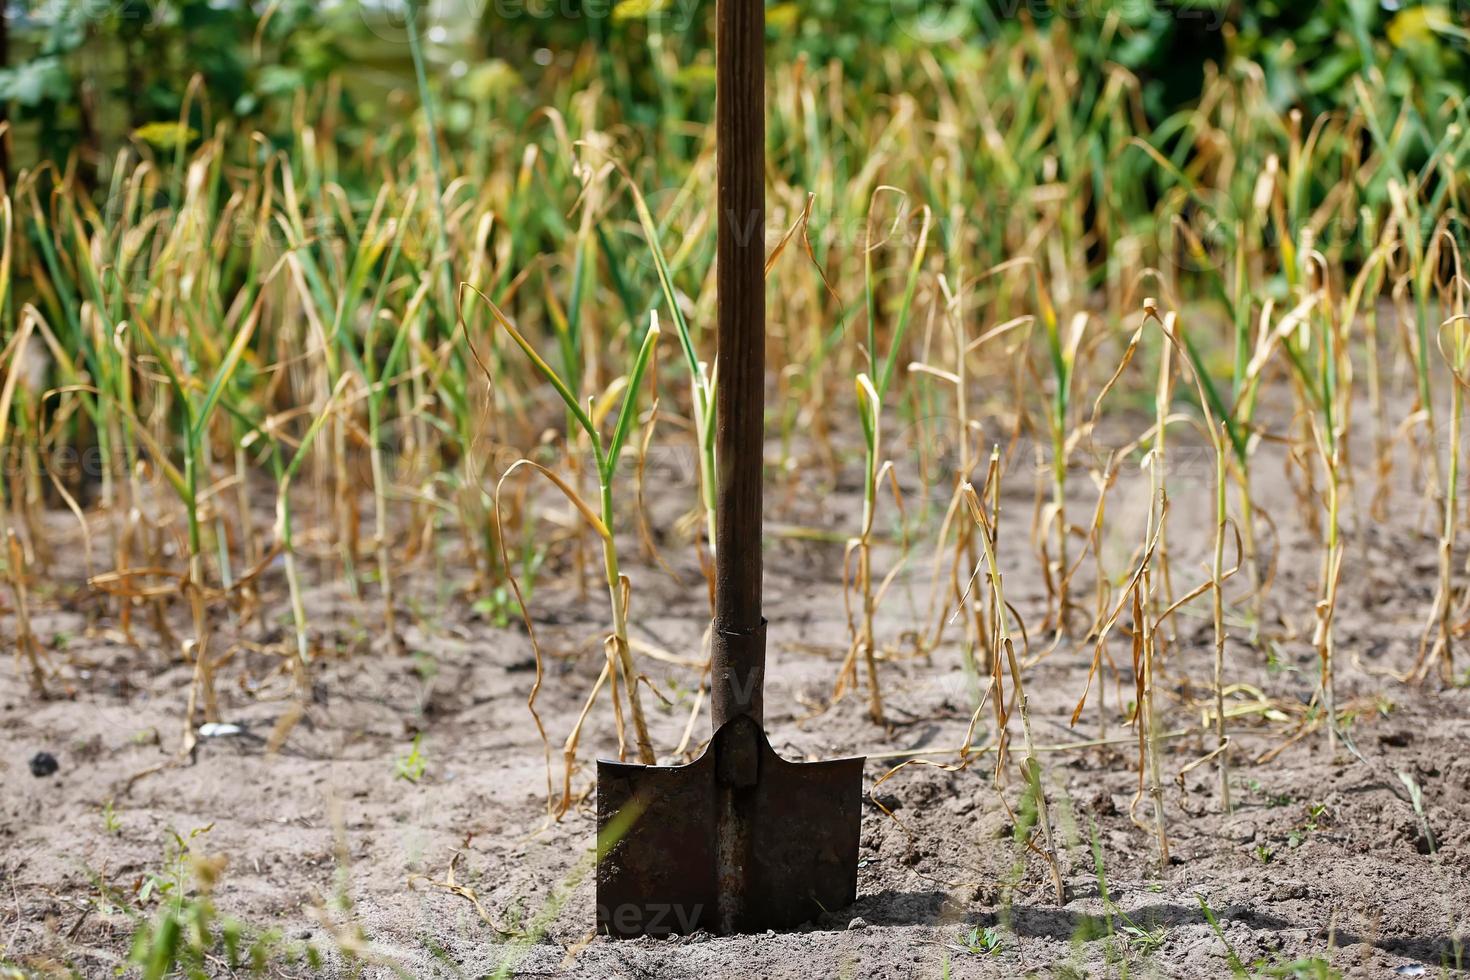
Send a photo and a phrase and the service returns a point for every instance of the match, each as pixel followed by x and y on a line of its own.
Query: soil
pixel 1323 857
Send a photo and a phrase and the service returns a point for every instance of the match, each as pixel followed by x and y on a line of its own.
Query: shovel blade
pixel 684 848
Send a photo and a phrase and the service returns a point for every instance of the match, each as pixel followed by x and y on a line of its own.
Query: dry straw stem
pixel 619 653
pixel 1030 766
pixel 864 640
pixel 1140 586
pixel 871 388
pixel 963 556
pixel 27 648
pixel 702 378
pixel 1436 645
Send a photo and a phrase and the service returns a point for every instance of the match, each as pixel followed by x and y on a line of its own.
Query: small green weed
pixel 1144 942
pixel 984 941
pixel 499 607
pixel 185 936
pixel 412 766
pixel 425 665
pixel 1310 968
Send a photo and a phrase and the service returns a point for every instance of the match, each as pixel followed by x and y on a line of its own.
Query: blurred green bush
pixel 90 75
pixel 1306 49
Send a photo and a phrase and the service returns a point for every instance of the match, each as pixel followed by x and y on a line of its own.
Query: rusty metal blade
pixel 694 851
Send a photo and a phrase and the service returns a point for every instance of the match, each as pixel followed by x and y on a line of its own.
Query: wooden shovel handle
pixel 740 146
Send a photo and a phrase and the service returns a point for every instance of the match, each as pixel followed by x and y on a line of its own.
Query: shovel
pixel 739 840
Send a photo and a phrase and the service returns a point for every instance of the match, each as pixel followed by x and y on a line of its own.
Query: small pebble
pixel 858 923
pixel 43 764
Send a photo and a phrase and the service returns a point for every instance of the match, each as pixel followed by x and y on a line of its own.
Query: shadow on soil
pixel 936 908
